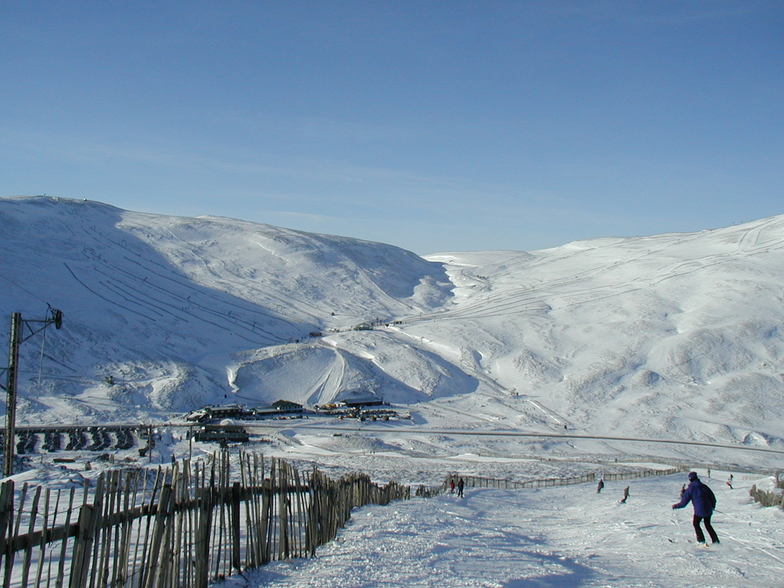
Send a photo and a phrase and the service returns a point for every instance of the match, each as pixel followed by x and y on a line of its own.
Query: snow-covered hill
pixel 168 308
pixel 679 333
pixel 670 336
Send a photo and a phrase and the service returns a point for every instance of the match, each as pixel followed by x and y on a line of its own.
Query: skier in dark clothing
pixel 704 502
pixel 600 485
pixel 460 485
pixel 625 495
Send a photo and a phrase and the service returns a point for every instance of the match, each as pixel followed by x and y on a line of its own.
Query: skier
pixel 625 495
pixel 600 485
pixel 704 502
pixel 460 485
pixel 729 482
pixel 452 486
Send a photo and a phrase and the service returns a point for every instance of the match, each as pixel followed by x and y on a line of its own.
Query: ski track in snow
pixel 673 337
pixel 567 536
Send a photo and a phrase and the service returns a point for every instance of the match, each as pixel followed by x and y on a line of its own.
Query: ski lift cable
pixel 25 290
pixel 41 358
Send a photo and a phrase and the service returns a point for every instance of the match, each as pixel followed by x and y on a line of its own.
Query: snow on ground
pixel 671 337
pixel 563 536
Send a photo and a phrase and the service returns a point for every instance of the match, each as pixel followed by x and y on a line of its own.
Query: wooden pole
pixel 235 527
pixel 6 516
pixel 61 566
pixel 157 560
pixel 13 364
pixel 80 569
pixel 30 529
pixel 202 551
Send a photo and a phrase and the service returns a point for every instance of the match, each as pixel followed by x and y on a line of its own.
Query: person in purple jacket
pixel 704 502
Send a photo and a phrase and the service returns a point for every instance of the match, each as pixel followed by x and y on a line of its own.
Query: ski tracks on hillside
pixel 180 301
pixel 545 295
pixel 492 389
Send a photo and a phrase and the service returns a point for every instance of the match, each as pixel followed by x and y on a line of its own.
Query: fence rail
pixel 181 526
pixel 499 483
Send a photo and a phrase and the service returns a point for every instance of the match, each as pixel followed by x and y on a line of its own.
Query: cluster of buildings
pixel 212 417
pixel 216 413
pixel 353 408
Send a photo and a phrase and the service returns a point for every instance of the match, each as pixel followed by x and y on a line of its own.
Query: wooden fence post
pixel 283 525
pixel 158 559
pixel 202 551
pixel 235 527
pixel 6 518
pixel 80 569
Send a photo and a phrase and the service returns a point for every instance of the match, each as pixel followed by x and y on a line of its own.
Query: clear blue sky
pixel 433 125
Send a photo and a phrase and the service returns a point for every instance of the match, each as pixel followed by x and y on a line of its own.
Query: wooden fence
pixel 767 498
pixel 482 482
pixel 181 526
pixel 641 474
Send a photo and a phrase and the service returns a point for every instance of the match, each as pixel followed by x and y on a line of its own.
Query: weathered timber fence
pixel 482 482
pixel 640 474
pixel 181 526
pixel 767 498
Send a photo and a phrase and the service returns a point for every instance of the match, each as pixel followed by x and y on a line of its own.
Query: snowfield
pixel 602 355
pixel 565 536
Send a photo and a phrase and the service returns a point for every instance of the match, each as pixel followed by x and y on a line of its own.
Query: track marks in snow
pixel 567 536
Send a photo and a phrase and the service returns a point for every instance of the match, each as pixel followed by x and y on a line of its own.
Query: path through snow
pixel 567 536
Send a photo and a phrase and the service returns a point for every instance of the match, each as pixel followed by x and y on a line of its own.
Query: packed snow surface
pixel 565 536
pixel 601 354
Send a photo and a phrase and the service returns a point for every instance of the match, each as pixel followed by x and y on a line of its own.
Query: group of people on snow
pixel 600 487
pixel 459 485
pixel 702 499
pixel 699 494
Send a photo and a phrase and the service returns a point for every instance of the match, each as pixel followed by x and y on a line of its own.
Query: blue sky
pixel 432 125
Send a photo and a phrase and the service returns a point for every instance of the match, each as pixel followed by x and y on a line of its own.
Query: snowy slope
pixel 161 304
pixel 568 536
pixel 670 336
pixel 675 332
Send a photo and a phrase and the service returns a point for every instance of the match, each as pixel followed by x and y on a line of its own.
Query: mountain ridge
pixel 676 334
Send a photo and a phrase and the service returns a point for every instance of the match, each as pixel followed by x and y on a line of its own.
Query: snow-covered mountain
pixel 177 311
pixel 670 336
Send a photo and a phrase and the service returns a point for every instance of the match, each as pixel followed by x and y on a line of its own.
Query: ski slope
pixel 565 536
pixel 672 337
pixel 594 351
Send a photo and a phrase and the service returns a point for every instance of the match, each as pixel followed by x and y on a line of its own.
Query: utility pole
pixel 13 363
pixel 56 318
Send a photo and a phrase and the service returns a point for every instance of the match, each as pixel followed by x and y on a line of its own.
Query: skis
pixel 699 546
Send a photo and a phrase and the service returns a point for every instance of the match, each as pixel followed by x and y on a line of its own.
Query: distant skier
pixel 460 485
pixel 625 495
pixel 452 486
pixel 729 482
pixel 704 502
pixel 600 486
